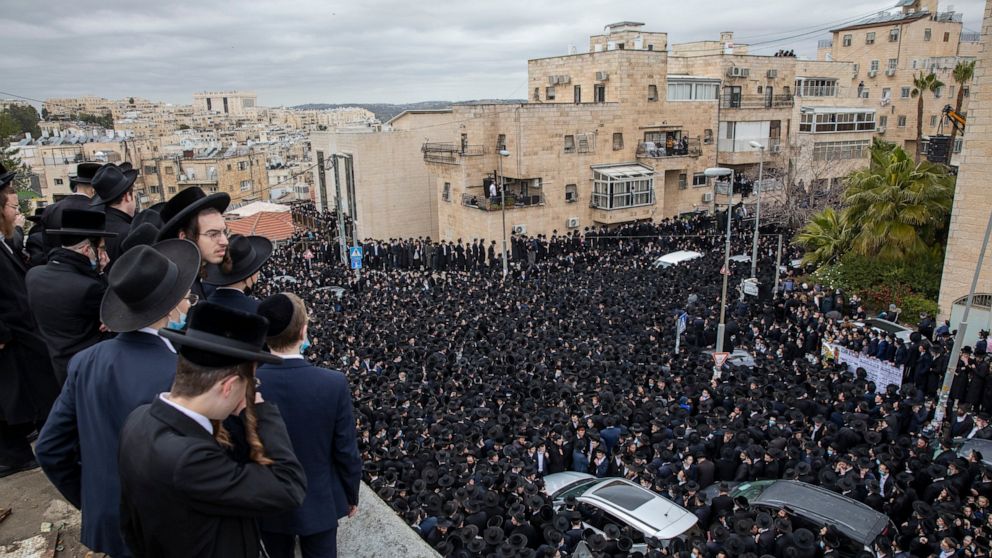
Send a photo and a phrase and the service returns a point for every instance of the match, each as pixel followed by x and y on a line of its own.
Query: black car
pixel 814 507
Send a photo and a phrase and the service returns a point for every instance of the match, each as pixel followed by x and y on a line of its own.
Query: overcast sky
pixel 391 51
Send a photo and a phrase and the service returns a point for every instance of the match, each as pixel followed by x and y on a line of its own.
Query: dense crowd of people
pixel 454 390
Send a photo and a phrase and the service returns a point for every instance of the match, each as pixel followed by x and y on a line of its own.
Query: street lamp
pixel 716 172
pixel 757 208
pixel 503 153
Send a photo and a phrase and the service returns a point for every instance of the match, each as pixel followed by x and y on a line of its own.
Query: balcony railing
pixel 744 145
pixel 739 101
pixel 657 150
pixel 971 37
pixel 825 43
pixel 448 153
pixel 480 201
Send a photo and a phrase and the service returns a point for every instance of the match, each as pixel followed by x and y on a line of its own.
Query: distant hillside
pixel 385 111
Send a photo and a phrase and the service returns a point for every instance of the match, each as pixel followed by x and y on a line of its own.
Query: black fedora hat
pixel 248 255
pixel 187 204
pixel 110 182
pixel 80 224
pixel 85 173
pixel 36 218
pixel 125 166
pixel 217 336
pixel 146 283
pixel 144 234
pixel 147 216
pixel 6 177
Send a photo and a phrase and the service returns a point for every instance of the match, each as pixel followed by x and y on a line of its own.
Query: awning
pixel 629 170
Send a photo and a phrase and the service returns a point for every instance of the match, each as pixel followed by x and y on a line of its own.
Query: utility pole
pixel 716 173
pixel 778 266
pixel 352 205
pixel 342 240
pixel 322 178
pixel 952 364
pixel 502 180
pixel 757 208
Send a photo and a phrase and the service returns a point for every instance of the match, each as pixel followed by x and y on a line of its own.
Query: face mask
pixel 305 345
pixel 178 325
pixel 94 264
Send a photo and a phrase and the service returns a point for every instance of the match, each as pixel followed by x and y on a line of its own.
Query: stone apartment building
pixel 888 51
pixel 53 159
pixel 234 103
pixel 970 212
pixel 237 171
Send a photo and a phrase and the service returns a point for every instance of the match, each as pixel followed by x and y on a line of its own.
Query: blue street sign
pixel 356 263
pixel 355 252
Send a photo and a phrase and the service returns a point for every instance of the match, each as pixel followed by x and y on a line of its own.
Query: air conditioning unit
pixel 602 76
pixel 519 229
pixel 572 223
pixel 745 72
pixel 707 197
pixel 552 80
pixel 772 74
pixel 734 72
pixel 890 72
pixel 564 79
pixel 872 73
pixel 881 129
pixel 777 148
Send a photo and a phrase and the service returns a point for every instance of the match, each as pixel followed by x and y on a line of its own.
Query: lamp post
pixel 757 208
pixel 503 153
pixel 716 173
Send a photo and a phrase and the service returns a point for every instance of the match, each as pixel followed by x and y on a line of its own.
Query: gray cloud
pixel 370 51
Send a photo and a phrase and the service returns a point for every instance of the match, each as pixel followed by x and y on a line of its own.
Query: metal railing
pixel 825 43
pixel 480 201
pixel 658 150
pixel 740 101
pixel 725 145
pixel 448 153
pixel 971 38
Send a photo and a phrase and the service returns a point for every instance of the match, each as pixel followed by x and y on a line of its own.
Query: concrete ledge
pixel 377 531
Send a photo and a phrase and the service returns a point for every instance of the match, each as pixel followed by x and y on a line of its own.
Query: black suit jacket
pixel 233 298
pixel 120 223
pixel 183 496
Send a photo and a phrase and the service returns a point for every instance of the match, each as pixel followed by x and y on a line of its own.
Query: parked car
pixel 814 507
pixel 964 448
pixel 739 357
pixel 675 258
pixel 622 503
pixel 878 324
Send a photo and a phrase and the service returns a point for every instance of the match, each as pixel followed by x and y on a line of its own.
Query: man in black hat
pixel 237 274
pixel 82 193
pixel 181 492
pixel 115 192
pixel 317 408
pixel 27 384
pixel 77 448
pixel 65 293
pixel 195 216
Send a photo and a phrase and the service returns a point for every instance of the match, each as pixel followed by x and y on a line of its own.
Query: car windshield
pixel 575 489
pixel 624 495
pixel 750 490
pixel 884 326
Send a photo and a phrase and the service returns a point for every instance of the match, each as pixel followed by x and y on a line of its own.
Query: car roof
pixel 642 508
pixel 680 256
pixel 978 444
pixel 852 518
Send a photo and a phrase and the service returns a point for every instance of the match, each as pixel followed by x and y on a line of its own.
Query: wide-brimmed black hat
pixel 80 224
pixel 143 234
pixel 146 283
pixel 217 336
pixel 110 182
pixel 248 254
pixel 125 166
pixel 185 205
pixel 36 218
pixel 6 177
pixel 85 173
pixel 147 216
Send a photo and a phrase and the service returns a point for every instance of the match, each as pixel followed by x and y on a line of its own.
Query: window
pixel 857 68
pixel 826 122
pixel 151 169
pixel 760 90
pixel 866 93
pixel 650 47
pixel 775 129
pixel 927 33
pixel 893 63
pixel 679 91
pixel 599 93
pixel 652 92
pixel 938 92
pixel 571 193
pixel 874 66
pixel 847 40
pixel 169 170
pixel 950 91
pixel 242 165
pixel 914 63
pixel 883 121
pixel 708 136
pixel 688 91
pixel 947 36
pixel 537 93
pixel 904 92
pixel 816 87
pixel 840 150
pixel 577 94
pixel 229 166
pixel 870 38
pixel 612 192
pixel 698 179
pixel 901 121
pixel 569 144
pixel 707 91
pixel 500 142
pixel 958 144
pixel 246 185
pixel 893 35
pixel 172 189
pixel 683 181
pixel 59 182
pixel 886 93
pixel 933 121
pixel 446 192
pixel 549 93
pixel 966 91
pixel 153 189
pixel 617 141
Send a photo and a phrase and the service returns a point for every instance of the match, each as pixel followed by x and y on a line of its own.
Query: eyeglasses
pixel 13 206
pixel 216 234
pixel 192 298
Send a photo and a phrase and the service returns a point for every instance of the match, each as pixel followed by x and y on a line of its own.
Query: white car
pixel 675 258
pixel 622 503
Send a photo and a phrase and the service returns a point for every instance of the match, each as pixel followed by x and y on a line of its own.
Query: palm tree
pixel 921 84
pixel 963 73
pixel 897 208
pixel 826 237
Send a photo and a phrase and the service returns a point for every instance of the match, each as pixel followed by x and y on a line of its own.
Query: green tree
pixel 17 120
pixel 921 84
pixel 898 208
pixel 22 182
pixel 963 73
pixel 826 237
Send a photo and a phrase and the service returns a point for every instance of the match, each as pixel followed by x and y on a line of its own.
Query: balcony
pixel 657 150
pixel 450 153
pixel 971 37
pixel 825 43
pixel 740 152
pixel 739 101
pixel 476 199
